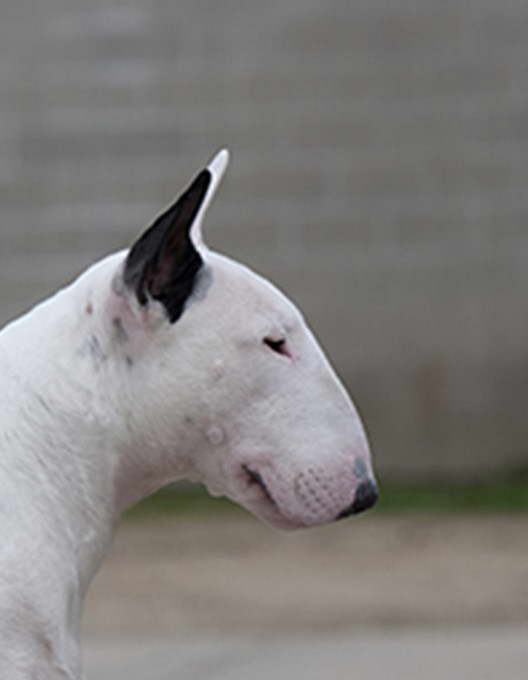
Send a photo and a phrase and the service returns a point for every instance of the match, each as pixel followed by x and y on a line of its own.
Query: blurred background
pixel 380 155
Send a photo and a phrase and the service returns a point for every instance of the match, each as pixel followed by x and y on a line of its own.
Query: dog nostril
pixel 366 497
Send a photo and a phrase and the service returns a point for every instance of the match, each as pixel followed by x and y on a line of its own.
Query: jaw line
pixel 276 519
pixel 260 503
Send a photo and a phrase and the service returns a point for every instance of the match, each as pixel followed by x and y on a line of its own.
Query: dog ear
pixel 217 168
pixel 163 263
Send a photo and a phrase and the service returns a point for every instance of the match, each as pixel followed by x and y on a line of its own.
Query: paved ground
pixel 476 654
pixel 408 597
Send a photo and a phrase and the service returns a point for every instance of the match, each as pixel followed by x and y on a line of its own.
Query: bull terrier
pixel 167 361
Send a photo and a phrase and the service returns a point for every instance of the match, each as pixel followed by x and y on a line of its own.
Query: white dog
pixel 165 362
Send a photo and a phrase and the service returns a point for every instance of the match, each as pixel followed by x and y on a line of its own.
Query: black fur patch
pixel 163 263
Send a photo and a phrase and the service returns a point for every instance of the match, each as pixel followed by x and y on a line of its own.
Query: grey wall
pixel 380 161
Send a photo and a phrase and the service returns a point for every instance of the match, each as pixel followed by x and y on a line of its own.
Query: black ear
pixel 163 262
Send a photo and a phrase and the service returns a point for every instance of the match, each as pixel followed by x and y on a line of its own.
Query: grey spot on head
pixel 204 281
pixel 129 361
pixel 44 403
pixel 94 349
pixel 118 285
pixel 360 468
pixel 119 330
pixel 188 420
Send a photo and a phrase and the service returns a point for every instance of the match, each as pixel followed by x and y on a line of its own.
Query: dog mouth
pixel 267 509
pixel 254 478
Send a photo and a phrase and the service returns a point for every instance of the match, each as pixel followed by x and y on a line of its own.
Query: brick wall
pixel 380 162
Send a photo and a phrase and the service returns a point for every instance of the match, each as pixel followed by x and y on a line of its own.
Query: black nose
pixel 366 497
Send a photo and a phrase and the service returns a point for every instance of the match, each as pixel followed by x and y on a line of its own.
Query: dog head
pixel 230 378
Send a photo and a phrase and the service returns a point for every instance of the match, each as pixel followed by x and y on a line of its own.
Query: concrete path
pixel 379 598
pixel 180 576
pixel 464 654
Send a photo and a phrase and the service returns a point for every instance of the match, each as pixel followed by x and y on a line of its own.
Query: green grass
pixel 501 497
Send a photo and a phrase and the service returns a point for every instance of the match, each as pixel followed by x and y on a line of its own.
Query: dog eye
pixel 278 346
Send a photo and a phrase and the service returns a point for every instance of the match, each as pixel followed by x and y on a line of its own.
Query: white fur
pixel 94 417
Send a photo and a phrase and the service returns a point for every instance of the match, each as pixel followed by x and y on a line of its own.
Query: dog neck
pixel 76 458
